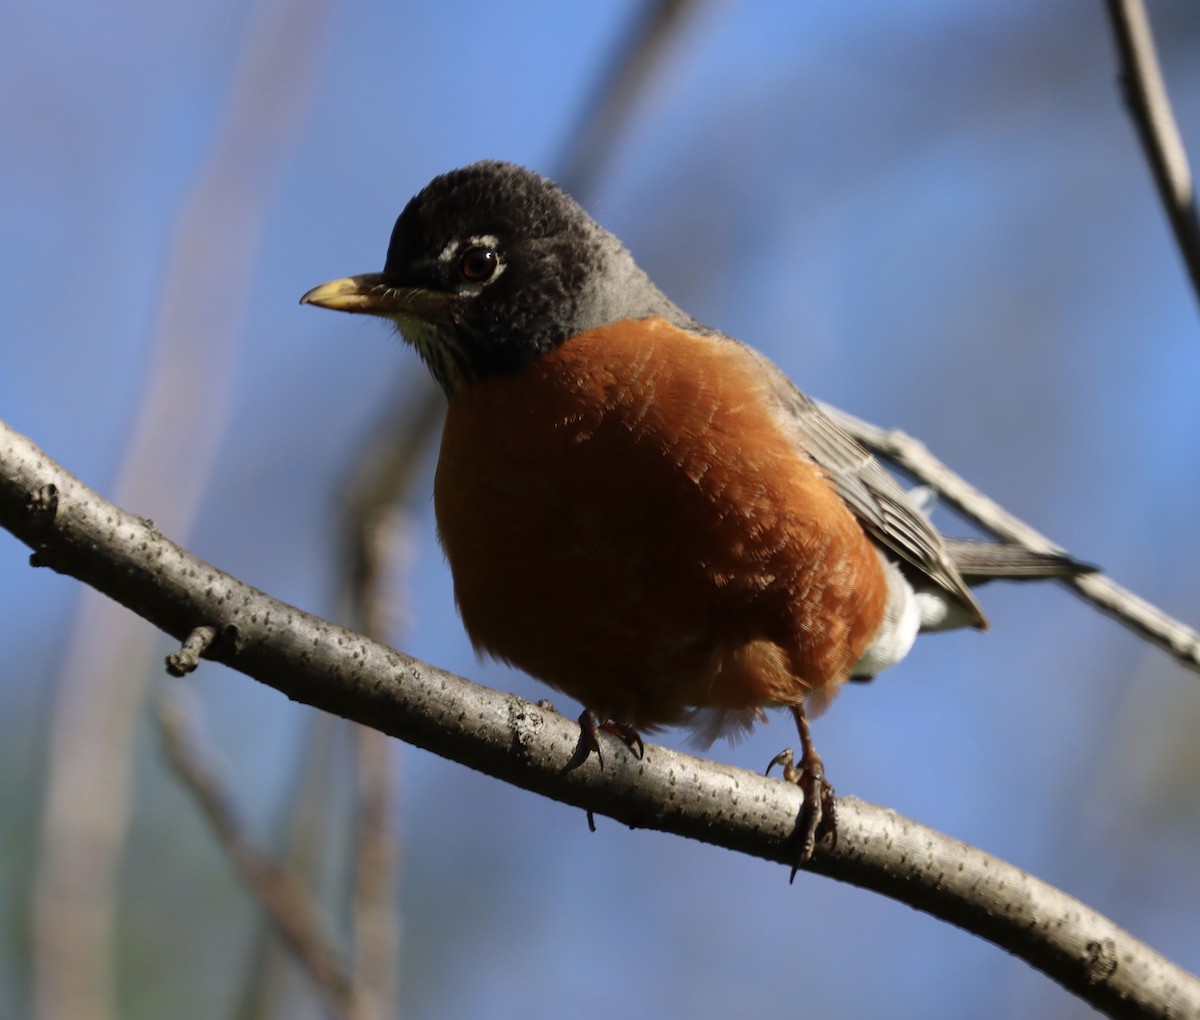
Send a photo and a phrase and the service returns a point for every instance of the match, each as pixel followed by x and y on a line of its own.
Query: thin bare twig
pixel 331 668
pixel 187 657
pixel 286 902
pixel 1131 611
pixel 1146 96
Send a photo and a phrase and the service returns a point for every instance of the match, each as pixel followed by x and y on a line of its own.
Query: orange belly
pixel 629 521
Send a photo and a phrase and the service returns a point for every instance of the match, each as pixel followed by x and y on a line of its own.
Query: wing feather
pixel 885 510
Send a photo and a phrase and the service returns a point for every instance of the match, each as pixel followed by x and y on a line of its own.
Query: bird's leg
pixel 818 815
pixel 591 726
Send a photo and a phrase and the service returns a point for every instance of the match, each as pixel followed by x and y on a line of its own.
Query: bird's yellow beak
pixel 366 293
pixel 371 294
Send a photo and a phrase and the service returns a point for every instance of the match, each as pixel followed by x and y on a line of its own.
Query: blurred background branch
pixel 655 30
pixel 207 284
pixel 287 903
pixel 1146 95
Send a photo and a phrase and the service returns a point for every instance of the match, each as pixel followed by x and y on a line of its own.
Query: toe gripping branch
pixel 590 728
pixel 818 814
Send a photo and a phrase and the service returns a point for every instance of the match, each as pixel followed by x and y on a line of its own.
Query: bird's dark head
pixel 491 266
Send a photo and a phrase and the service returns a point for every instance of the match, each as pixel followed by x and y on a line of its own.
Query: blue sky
pixel 934 215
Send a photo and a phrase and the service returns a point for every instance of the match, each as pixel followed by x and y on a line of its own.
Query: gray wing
pixel 883 508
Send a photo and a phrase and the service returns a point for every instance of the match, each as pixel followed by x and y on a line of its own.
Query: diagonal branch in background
pixel 287 903
pixel 1130 610
pixel 1146 96
pixel 308 810
pixel 280 892
pixel 75 531
pixel 656 24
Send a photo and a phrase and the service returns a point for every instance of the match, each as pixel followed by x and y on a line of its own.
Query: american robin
pixel 637 509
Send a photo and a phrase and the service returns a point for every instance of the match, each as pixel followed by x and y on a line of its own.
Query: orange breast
pixel 629 521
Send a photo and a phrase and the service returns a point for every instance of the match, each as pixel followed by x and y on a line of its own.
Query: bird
pixel 639 510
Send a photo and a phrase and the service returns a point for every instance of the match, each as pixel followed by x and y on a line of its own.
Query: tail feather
pixel 983 561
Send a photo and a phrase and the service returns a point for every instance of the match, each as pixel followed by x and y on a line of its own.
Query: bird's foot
pixel 818 813
pixel 591 727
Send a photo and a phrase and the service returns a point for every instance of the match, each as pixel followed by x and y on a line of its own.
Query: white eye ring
pixel 479 264
pixel 463 259
pixel 446 255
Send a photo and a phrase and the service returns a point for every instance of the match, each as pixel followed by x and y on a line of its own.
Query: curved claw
pixel 786 759
pixel 591 727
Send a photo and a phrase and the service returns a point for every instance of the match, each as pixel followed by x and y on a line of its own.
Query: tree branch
pixel 76 532
pixel 1146 96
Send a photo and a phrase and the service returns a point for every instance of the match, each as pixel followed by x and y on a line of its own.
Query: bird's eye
pixel 478 264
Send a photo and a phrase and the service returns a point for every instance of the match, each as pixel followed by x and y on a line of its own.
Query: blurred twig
pixel 1146 95
pixel 286 902
pixel 376 922
pixel 74 531
pixel 282 896
pixel 374 526
pixel 655 26
pixel 206 288
pixel 375 491
pixel 1133 612
pixel 374 523
pixel 309 806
